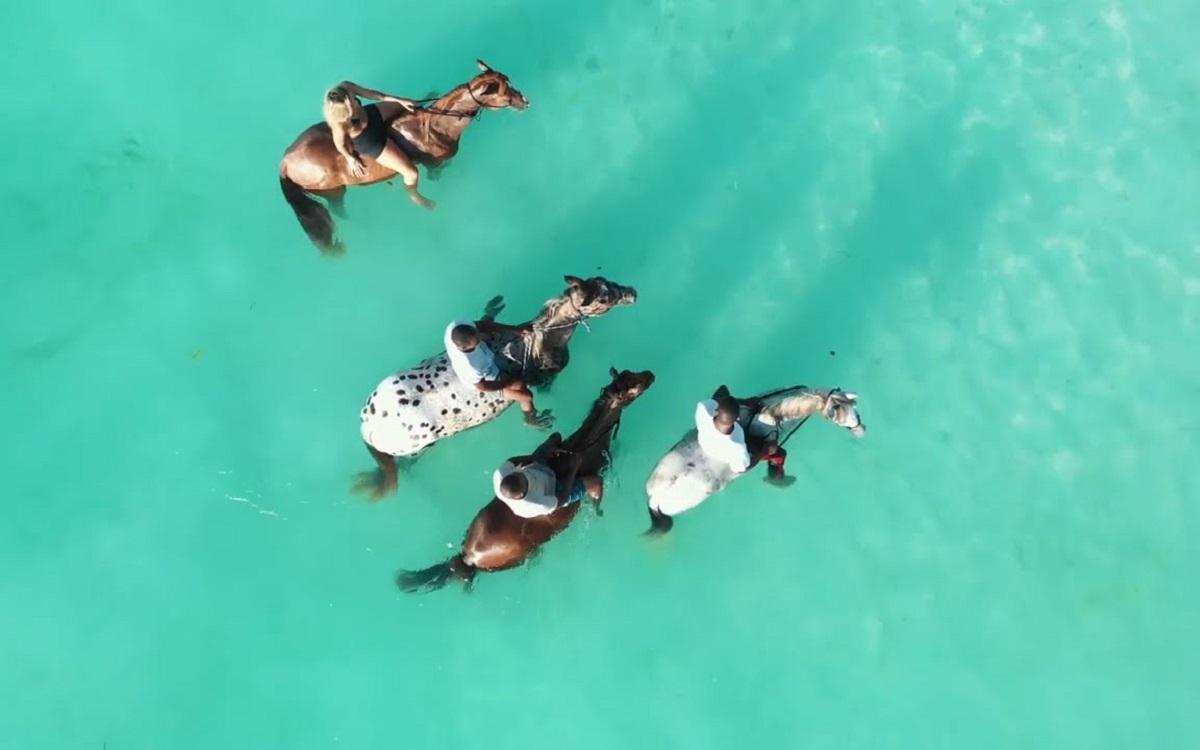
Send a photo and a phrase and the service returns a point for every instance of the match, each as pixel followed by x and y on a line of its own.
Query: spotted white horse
pixel 414 408
pixel 686 476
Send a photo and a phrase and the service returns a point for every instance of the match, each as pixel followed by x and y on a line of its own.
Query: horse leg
pixel 336 200
pixel 382 480
pixel 544 386
pixel 594 487
pixel 494 307
pixel 660 523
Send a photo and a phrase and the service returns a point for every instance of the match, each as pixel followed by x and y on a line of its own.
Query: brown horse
pixel 312 165
pixel 499 539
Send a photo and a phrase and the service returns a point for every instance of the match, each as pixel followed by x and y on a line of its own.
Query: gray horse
pixel 686 476
pixel 414 408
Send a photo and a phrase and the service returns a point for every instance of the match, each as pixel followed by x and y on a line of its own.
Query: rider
pixel 475 364
pixel 531 488
pixel 360 132
pixel 722 438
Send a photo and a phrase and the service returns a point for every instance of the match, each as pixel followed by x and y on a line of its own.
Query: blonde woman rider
pixel 363 133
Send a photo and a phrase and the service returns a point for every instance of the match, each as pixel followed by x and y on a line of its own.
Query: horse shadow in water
pixel 497 538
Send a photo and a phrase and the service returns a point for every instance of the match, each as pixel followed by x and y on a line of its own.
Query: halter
pixel 449 113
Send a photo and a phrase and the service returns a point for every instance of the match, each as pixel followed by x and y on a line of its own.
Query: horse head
pixel 593 297
pixel 626 386
pixel 841 408
pixel 491 89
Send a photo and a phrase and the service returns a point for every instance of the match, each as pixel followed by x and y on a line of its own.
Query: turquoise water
pixel 979 216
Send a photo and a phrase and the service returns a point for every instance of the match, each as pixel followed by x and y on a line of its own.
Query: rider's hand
pixel 358 167
pixel 408 104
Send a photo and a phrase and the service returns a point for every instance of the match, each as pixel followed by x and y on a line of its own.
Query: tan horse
pixel 312 165
pixel 499 539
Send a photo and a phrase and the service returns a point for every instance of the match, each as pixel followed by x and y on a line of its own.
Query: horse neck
pixel 595 434
pixel 461 103
pixel 800 405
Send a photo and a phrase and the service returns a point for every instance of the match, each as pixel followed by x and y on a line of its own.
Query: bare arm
pixel 378 96
pixel 345 146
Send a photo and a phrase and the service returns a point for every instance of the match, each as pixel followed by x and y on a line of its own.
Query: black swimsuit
pixel 374 138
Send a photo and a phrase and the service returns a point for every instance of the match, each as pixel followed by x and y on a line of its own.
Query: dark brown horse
pixel 499 539
pixel 312 165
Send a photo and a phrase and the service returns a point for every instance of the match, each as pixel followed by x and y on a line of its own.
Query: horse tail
pixel 315 218
pixel 436 576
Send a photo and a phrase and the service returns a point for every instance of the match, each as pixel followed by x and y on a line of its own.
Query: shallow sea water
pixel 979 216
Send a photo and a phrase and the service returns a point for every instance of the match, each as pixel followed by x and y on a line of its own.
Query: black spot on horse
pixel 372 408
pixel 416 402
pixel 385 414
pixel 443 412
pixel 404 402
pixel 400 391
pixel 454 396
pixel 420 389
pixel 457 410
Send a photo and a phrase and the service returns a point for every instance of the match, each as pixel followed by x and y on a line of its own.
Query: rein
pixel 449 113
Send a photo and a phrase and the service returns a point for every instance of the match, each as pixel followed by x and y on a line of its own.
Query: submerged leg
pixel 382 480
pixel 593 486
pixel 494 307
pixel 775 475
pixel 397 161
pixel 336 200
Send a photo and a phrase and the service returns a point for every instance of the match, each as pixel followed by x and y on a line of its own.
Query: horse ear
pixel 612 373
pixel 573 281
pixel 483 66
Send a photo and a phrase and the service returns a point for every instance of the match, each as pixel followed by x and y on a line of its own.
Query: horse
pixel 686 476
pixel 414 408
pixel 499 539
pixel 312 165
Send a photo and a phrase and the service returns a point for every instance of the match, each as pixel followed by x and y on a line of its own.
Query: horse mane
pixel 603 401
pixel 551 307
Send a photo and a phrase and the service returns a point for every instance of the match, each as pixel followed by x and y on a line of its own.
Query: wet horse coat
pixel 499 539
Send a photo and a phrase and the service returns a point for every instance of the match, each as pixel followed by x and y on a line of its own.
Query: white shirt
pixel 729 449
pixel 539 499
pixel 473 366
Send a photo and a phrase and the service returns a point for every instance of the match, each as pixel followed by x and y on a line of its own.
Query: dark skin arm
pixel 564 487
